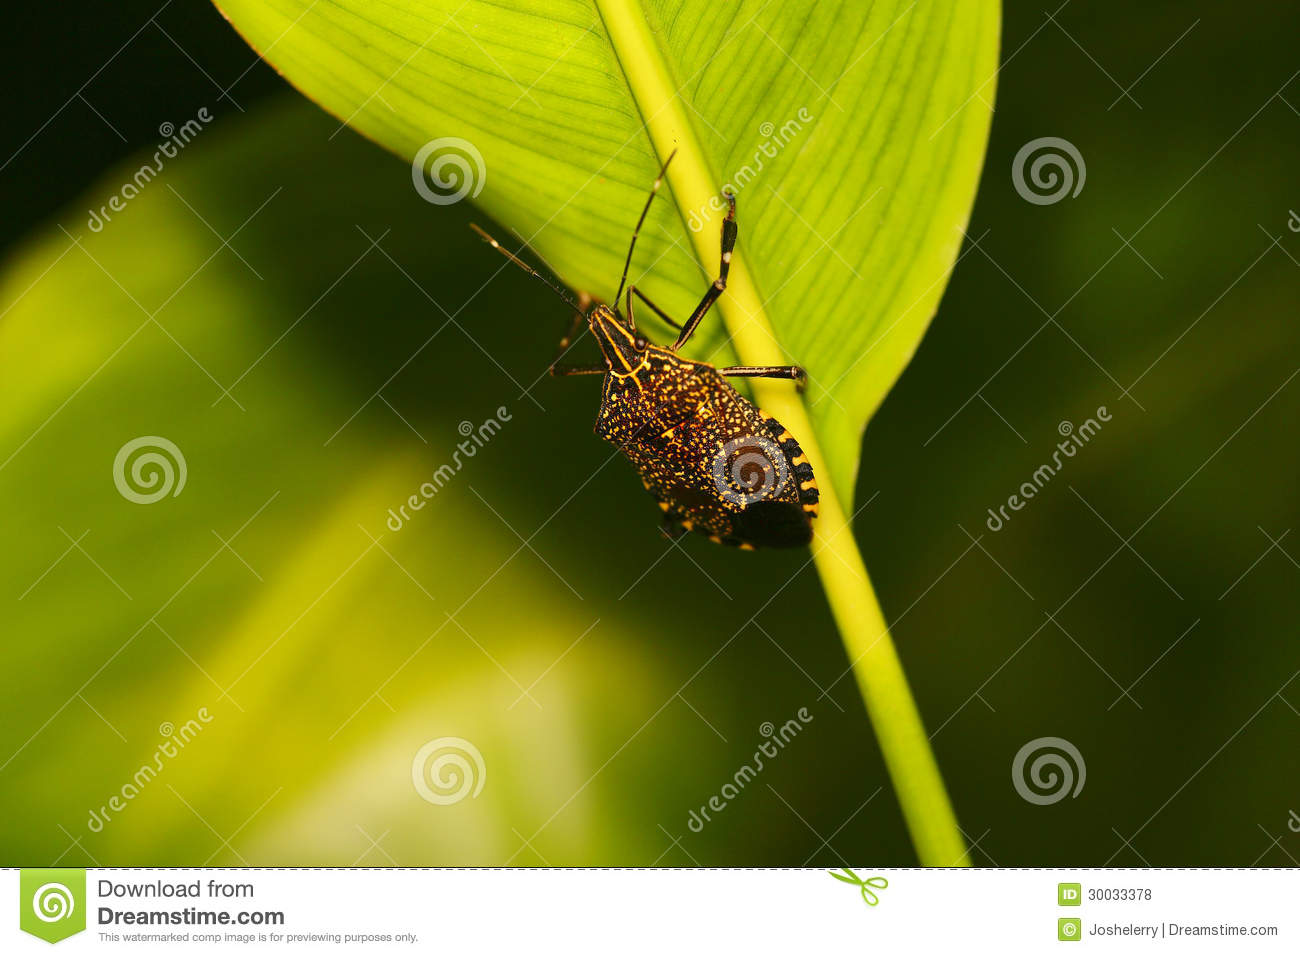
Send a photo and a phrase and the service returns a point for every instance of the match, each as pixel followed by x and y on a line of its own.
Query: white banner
pixel 603 911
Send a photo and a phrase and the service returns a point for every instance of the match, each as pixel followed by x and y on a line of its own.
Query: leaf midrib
pixel 646 72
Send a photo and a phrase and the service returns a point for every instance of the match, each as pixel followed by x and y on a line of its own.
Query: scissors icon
pixel 868 895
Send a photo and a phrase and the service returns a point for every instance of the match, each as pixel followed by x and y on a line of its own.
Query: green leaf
pixel 269 593
pixel 853 137
pixel 852 133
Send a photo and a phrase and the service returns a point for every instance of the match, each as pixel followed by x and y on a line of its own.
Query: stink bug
pixel 715 462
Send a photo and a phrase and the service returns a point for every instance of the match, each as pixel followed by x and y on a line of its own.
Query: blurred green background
pixel 283 307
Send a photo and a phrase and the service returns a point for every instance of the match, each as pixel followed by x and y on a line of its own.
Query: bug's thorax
pixel 665 398
pixel 648 386
pixel 714 462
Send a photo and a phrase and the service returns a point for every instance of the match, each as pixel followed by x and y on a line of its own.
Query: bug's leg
pixel 671 527
pixel 563 347
pixel 769 372
pixel 633 290
pixel 559 370
pixel 627 263
pixel 567 341
pixel 719 284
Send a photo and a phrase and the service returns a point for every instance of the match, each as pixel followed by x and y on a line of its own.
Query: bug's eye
pixel 639 343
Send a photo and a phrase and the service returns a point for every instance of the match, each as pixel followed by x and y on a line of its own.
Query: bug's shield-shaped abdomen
pixel 715 462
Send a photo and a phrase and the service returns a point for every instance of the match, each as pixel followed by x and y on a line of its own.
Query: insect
pixel 715 462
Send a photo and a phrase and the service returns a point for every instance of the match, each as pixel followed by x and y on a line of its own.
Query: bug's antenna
pixel 646 209
pixel 527 268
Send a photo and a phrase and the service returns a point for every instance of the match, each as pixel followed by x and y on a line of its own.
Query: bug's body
pixel 715 462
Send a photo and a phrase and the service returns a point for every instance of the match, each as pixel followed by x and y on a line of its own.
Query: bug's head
pixel 624 348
